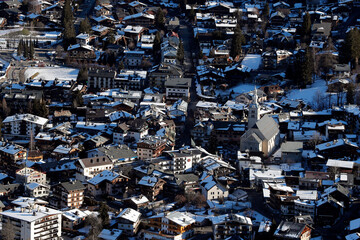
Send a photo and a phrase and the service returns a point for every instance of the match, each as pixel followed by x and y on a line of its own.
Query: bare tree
pixel 315 140
pixel 319 100
pixel 95 226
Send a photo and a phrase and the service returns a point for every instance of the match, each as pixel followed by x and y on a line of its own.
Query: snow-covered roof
pixel 180 218
pixel 112 234
pixel 105 175
pixel 340 164
pixel 130 214
pixel 28 118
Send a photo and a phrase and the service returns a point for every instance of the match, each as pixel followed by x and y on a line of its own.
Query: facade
pixel 29 175
pixel 150 147
pixel 225 226
pixel 21 125
pixel 263 137
pixel 169 226
pixel 68 195
pixel 178 88
pixel 88 168
pixel 36 222
pixel 129 221
pixel 100 78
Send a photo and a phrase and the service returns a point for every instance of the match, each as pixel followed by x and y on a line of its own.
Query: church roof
pixel 267 127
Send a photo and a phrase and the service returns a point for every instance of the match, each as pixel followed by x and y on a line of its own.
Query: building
pixel 74 217
pixel 107 183
pixel 184 159
pixel 88 168
pixel 21 125
pixel 169 226
pixel 291 152
pixel 178 88
pixel 211 189
pixel 151 187
pixel 10 154
pixel 150 147
pixel 225 226
pixel 129 221
pixel 100 78
pixel 68 195
pixel 292 230
pixel 263 137
pixel 33 222
pixel 29 175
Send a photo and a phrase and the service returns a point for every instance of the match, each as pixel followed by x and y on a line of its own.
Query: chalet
pixel 88 168
pixel 129 221
pixel 140 19
pixel 107 183
pixel 81 53
pixel 171 225
pixel 292 230
pixel 68 195
pixel 225 226
pixel 151 187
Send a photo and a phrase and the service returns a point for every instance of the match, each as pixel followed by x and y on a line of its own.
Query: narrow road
pixel 187 37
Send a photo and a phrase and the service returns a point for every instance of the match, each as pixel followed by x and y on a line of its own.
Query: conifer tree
pixel 69 35
pixel 236 43
pixel 85 26
pixel 160 18
pixel 180 52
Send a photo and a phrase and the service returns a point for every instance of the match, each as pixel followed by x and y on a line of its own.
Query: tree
pixel 121 65
pixel 180 52
pixel 20 47
pixel 95 226
pixel 306 26
pixel 304 68
pixel 236 43
pixel 350 94
pixel 69 35
pixel 157 43
pixel 160 18
pixel 8 232
pixel 40 109
pixel 183 5
pixel 31 50
pixel 266 11
pixel 104 215
pixel 180 199
pixel 5 109
pixel 350 50
pixel 83 75
pixel 29 108
pixel 192 13
pixel 85 26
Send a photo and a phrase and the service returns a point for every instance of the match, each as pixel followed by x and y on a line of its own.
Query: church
pixel 263 135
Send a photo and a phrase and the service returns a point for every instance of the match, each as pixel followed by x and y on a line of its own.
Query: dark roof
pixel 72 186
pixel 118 152
pixel 95 161
pixel 289 230
pixel 267 127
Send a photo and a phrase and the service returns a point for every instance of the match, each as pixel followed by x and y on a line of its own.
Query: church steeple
pixel 254 110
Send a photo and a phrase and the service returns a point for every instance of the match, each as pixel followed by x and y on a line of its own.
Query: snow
pixel 309 95
pixel 50 73
pixel 251 62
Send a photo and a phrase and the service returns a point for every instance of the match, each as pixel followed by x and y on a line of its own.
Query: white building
pixel 178 88
pixel 34 222
pixel 29 175
pixel 88 168
pixel 129 221
pixel 212 189
pixel 21 125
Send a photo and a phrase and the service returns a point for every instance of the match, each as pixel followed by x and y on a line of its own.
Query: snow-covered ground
pixel 251 62
pixel 239 89
pixel 315 94
pixel 50 73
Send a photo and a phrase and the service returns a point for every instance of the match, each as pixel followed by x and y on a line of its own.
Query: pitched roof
pixel 72 186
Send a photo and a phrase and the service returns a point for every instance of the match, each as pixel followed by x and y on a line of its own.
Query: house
pixel 151 187
pixel 26 220
pixel 113 234
pixel 225 226
pixel 263 137
pixel 132 130
pixel 133 58
pixel 150 147
pixel 291 152
pixel 74 217
pixel 212 189
pixel 28 175
pixel 118 154
pixel 81 53
pixel 11 154
pixel 338 148
pixel 134 32
pixel 107 183
pixel 341 70
pixel 100 78
pixel 167 226
pixel 37 190
pixel 68 194
pixel 247 98
pixel 140 19
pixel 276 58
pixel 88 168
pixel 21 125
pixel 178 88
pixel 129 221
pixel 292 230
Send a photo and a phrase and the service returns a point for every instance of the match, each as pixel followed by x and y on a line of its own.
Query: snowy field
pixel 316 94
pixel 50 73
pixel 251 62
